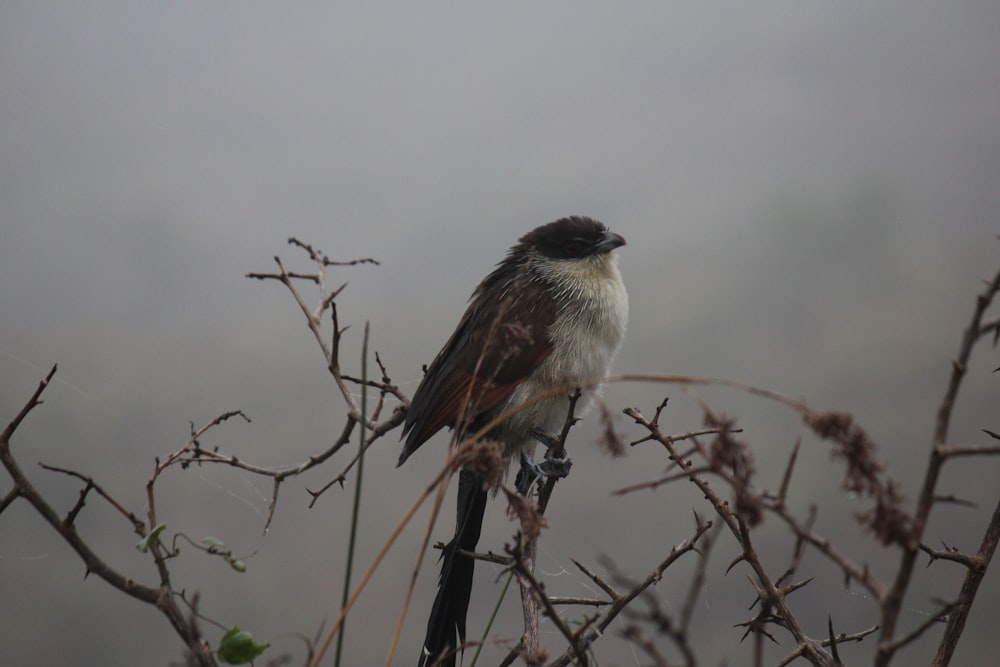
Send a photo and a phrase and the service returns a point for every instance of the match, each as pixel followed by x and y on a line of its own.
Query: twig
pixel 524 571
pixel 973 578
pixel 950 553
pixel 137 525
pixel 768 593
pixel 824 546
pixel 955 452
pixel 894 597
pixel 620 601
pixel 839 639
pixel 787 478
pixel 160 597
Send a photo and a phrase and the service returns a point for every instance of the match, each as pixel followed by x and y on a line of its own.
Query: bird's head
pixel 569 239
pixel 570 250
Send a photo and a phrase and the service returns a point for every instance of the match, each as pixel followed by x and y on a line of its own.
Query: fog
pixel 810 198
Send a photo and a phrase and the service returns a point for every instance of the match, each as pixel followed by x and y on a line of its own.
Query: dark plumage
pixel 552 313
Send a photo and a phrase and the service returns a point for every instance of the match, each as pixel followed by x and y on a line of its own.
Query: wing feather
pixel 499 342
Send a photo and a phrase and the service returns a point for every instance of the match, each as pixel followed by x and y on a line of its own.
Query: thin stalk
pixel 493 617
pixel 356 509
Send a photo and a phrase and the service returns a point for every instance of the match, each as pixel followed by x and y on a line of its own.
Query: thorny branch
pixel 531 598
pixel 727 459
pixel 165 595
pixel 331 354
pixel 161 597
pixel 888 520
pixel 592 631
pixel 713 452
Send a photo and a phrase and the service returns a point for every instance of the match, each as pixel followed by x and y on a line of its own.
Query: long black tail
pixel 446 626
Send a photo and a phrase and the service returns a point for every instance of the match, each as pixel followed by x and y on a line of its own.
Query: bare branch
pixel 949 553
pixel 955 452
pixel 620 601
pixel 137 525
pixel 787 478
pixel 894 598
pixel 159 597
pixel 33 402
pixel 973 578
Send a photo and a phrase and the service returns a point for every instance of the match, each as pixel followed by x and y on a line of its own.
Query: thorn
pixel 739 558
pixel 833 640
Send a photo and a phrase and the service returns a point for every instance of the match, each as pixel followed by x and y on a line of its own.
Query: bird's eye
pixel 573 248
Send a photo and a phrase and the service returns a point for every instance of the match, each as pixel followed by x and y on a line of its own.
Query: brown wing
pixel 500 340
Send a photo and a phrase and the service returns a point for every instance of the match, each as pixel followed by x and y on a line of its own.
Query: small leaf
pixel 214 544
pixel 238 647
pixel 237 565
pixel 154 536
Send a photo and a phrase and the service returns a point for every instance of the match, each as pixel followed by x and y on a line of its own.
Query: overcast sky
pixel 810 195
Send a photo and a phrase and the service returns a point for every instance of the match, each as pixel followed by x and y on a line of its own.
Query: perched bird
pixel 551 314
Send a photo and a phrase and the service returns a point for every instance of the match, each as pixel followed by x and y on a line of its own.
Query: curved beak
pixel 609 242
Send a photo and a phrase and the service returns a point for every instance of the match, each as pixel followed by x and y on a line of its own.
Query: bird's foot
pixel 550 467
pixel 547 439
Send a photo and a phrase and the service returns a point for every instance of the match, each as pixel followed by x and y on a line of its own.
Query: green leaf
pixel 238 647
pixel 151 539
pixel 214 545
pixel 217 547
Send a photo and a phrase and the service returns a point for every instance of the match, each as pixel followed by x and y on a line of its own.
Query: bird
pixel 552 314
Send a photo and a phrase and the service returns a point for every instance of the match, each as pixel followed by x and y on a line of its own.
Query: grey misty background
pixel 810 195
